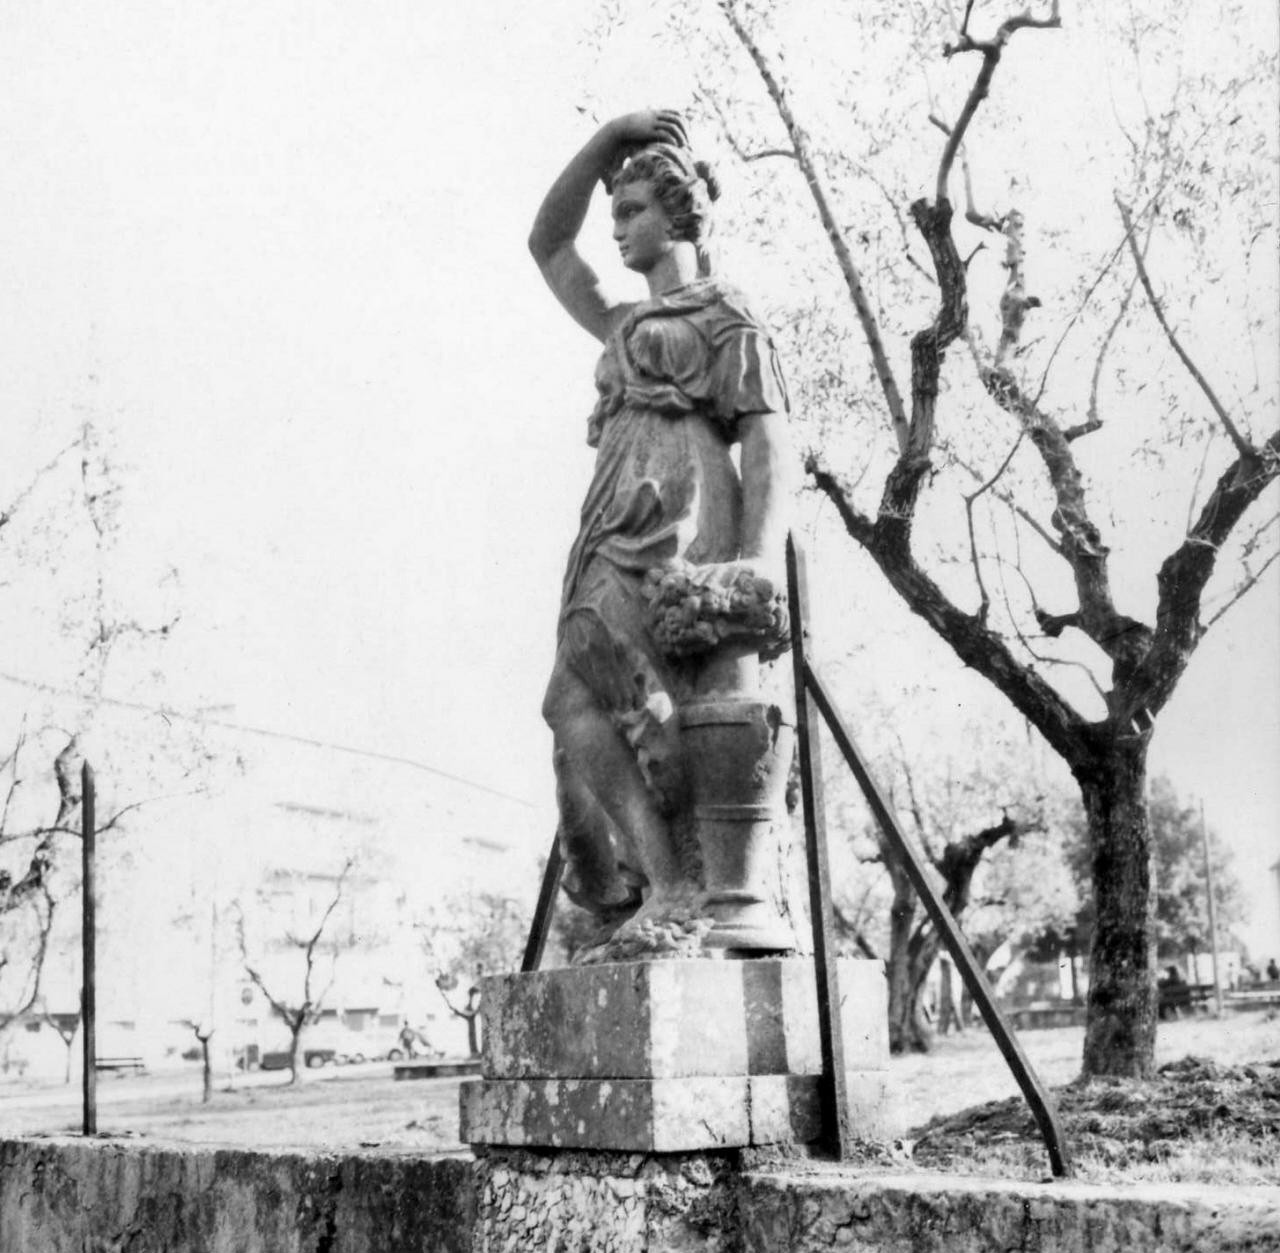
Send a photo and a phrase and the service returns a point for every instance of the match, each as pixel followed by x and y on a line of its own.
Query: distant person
pixel 407 1036
pixel 1273 971
pixel 1173 993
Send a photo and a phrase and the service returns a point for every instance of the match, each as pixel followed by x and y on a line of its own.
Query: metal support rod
pixel 88 949
pixel 542 912
pixel 1213 915
pixel 1042 1105
pixel 836 1131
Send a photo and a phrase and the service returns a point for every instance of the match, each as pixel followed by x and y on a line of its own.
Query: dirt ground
pixel 1215 1117
pixel 1197 1120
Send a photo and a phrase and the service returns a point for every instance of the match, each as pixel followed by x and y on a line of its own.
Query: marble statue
pixel 675 585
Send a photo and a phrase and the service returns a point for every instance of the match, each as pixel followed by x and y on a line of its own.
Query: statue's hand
pixel 649 126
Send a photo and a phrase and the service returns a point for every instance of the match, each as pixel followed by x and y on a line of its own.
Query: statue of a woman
pixel 685 375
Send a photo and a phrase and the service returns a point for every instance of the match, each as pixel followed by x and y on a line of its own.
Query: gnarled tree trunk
pixel 914 946
pixel 1121 1030
pixel 911 955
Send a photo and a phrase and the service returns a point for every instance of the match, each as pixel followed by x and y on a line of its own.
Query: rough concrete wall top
pixel 113 1196
pixel 804 1213
pixel 110 1196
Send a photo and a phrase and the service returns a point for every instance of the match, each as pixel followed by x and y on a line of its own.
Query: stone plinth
pixel 672 1056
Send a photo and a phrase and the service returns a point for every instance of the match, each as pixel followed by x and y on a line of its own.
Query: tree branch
pixel 1243 447
pixel 1122 639
pixel 974 644
pixel 1250 580
pixel 6 515
pixel 1005 498
pixel 1093 420
pixel 991 52
pixel 971 211
pixel 709 99
pixel 853 280
pixel 846 925
pixel 984 605
pixel 1185 572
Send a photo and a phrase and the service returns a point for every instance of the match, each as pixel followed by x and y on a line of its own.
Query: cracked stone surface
pixel 113 1196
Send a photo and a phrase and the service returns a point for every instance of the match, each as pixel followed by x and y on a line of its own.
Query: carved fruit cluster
pixel 694 608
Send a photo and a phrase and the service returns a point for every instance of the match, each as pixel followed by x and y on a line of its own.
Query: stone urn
pixel 737 754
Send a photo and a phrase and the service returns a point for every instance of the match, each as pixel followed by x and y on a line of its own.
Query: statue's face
pixel 641 228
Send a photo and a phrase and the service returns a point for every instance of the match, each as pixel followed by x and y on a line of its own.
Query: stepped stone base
pixel 673 1056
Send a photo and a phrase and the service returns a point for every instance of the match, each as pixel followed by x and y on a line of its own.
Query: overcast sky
pixel 277 250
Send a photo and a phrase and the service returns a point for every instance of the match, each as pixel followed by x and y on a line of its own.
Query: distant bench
pixel 1032 1017
pixel 1176 997
pixel 436 1068
pixel 119 1065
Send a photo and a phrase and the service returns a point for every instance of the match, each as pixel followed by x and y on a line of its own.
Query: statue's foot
pixel 670 924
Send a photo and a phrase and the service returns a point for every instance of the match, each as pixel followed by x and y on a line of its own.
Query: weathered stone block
pixel 672 1056
pixel 787 1108
pixel 641 1020
pixel 781 999
pixel 630 1115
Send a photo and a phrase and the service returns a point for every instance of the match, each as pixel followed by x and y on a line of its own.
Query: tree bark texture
pixel 910 956
pixel 1120 1031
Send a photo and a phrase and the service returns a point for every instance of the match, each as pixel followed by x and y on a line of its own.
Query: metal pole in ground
pixel 544 909
pixel 1213 913
pixel 88 999
pixel 837 1129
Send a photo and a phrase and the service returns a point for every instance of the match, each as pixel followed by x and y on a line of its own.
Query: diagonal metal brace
pixel 809 684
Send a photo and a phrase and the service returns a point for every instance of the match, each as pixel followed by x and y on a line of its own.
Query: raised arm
pixel 553 241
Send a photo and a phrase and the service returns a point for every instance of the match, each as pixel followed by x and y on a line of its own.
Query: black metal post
pixel 88 949
pixel 1042 1105
pixel 837 1133
pixel 543 910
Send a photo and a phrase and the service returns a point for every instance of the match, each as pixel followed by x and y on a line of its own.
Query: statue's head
pixel 683 187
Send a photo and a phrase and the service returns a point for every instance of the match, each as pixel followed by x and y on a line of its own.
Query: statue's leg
pixel 593 879
pixel 599 758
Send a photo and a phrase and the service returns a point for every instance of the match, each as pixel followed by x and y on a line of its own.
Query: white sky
pixel 278 249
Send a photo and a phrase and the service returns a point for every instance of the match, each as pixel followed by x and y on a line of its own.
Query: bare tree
pixel 467 938
pixel 298 1006
pixel 66 1027
pixel 203 1031
pixel 35 846
pixel 982 447
pixel 30 894
pixel 988 824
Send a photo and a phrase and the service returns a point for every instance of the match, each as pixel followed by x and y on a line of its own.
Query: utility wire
pixel 267 733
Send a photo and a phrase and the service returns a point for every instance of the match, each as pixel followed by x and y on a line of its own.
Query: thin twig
pixel 710 99
pixel 1024 640
pixel 1242 589
pixel 853 280
pixel 984 603
pixel 1092 420
pixel 6 515
pixel 1039 528
pixel 1195 487
pixel 1243 447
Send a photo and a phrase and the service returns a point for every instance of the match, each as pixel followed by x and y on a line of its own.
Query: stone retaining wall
pixel 119 1196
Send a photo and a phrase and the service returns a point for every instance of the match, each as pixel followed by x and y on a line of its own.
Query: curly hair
pixel 685 188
